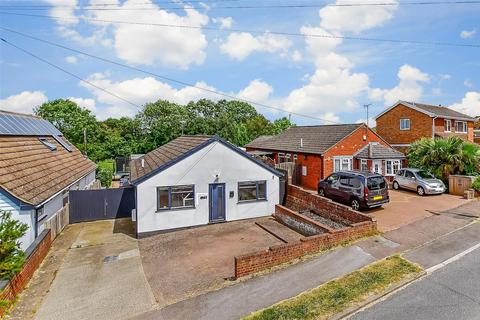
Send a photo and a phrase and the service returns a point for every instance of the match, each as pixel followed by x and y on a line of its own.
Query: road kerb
pixel 452 259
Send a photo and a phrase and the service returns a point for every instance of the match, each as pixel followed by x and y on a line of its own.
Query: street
pixel 452 292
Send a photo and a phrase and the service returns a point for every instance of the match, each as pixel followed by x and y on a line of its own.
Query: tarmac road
pixel 452 292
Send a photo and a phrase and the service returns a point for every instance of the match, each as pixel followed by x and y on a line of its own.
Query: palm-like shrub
pixel 443 157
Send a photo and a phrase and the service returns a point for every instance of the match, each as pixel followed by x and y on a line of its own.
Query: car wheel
pixel 421 191
pixel 355 204
pixel 396 186
pixel 321 192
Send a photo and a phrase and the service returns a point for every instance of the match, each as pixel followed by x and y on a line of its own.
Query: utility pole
pixel 85 141
pixel 367 106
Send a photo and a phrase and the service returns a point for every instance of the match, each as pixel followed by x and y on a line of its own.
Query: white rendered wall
pixel 200 170
pixel 25 216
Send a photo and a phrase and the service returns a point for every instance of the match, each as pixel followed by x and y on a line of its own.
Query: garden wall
pixel 35 255
pixel 359 225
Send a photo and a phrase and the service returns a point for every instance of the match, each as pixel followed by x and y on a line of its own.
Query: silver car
pixel 418 180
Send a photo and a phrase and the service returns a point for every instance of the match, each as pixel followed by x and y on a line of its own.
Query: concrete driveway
pixel 406 207
pixel 101 276
pixel 186 263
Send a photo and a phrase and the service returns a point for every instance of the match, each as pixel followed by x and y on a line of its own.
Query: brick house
pixel 406 122
pixel 476 131
pixel 318 151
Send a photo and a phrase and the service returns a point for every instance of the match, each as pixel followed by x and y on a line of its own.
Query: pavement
pixel 237 301
pixel 452 292
pixel 100 277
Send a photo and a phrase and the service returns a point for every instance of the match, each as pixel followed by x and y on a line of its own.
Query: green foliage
pixel 476 184
pixel 336 295
pixel 105 176
pixel 156 124
pixel 443 157
pixel 11 256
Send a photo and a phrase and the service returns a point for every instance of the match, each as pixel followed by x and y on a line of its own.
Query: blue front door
pixel 217 202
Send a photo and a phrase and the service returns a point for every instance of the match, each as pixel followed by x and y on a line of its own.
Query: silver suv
pixel 421 181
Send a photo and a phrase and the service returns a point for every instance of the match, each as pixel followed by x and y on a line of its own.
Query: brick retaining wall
pixel 35 255
pixel 299 199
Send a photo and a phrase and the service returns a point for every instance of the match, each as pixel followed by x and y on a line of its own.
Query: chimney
pixel 301 142
pixel 370 151
pixel 143 163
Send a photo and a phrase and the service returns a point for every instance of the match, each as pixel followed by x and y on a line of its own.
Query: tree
pixel 70 119
pixel 443 157
pixel 11 256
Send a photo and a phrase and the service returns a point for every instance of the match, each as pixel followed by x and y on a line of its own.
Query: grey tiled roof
pixel 378 151
pixel 164 154
pixel 440 111
pixel 316 139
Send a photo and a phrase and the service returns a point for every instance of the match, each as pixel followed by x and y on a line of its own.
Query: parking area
pixel 406 207
pixel 185 263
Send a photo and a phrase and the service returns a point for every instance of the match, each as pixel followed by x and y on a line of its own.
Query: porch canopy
pixel 377 151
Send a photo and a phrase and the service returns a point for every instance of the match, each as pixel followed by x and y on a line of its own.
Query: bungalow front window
pixel 363 165
pixel 281 157
pixel 392 167
pixel 252 191
pixel 460 126
pixel 448 125
pixel 342 164
pixel 175 197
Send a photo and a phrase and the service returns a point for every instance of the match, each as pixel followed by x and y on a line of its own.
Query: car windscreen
pixel 376 183
pixel 425 174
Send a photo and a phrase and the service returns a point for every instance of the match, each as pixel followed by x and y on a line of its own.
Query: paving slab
pixel 240 300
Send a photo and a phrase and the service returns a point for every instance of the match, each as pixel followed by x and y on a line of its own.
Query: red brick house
pixel 318 151
pixel 476 131
pixel 406 122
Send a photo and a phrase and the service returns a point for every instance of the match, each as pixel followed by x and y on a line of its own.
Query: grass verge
pixel 336 295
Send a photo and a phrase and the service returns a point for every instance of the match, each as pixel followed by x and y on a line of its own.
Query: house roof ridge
pixel 28 115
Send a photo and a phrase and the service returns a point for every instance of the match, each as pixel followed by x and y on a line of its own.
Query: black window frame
pixel 169 188
pixel 257 188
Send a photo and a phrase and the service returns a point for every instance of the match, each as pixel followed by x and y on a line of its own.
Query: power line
pixel 292 34
pixel 68 72
pixel 159 76
pixel 105 6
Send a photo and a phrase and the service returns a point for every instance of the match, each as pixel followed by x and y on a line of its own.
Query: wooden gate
pixel 90 205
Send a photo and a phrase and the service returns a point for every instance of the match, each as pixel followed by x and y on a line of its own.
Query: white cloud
pixel 445 76
pixel 257 90
pixel 330 118
pixel 296 56
pixel 86 103
pixel 225 23
pixel 71 59
pixel 142 90
pixel 409 87
pixel 470 104
pixel 372 123
pixel 355 19
pixel 466 34
pixel 240 45
pixel 467 83
pixel 24 102
pixel 66 9
pixel 141 44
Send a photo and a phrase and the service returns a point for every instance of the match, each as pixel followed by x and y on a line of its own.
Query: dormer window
pixel 448 125
pixel 48 144
pixel 404 124
pixel 460 127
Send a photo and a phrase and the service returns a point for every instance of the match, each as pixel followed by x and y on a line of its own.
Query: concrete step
pixel 279 230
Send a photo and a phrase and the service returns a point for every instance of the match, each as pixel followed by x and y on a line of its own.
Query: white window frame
pixel 465 127
pixel 363 163
pixel 404 121
pixel 304 171
pixel 281 156
pixel 393 171
pixel 341 162
pixel 448 125
pixel 170 191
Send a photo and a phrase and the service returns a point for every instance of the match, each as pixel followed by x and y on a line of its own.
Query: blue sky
pixel 329 79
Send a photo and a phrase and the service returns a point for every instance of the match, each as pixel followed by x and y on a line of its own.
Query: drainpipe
pixel 433 127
